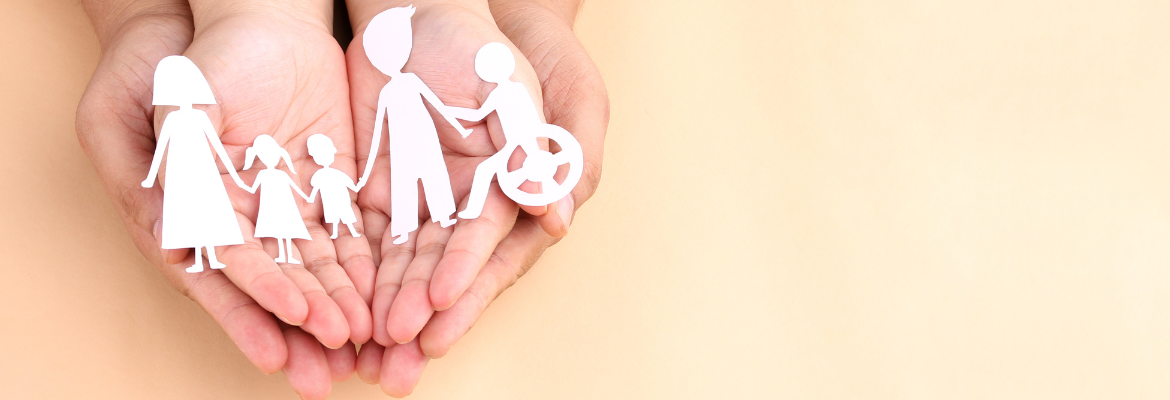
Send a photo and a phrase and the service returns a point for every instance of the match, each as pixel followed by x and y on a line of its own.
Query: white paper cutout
pixel 333 184
pixel 415 153
pixel 196 210
pixel 522 127
pixel 278 216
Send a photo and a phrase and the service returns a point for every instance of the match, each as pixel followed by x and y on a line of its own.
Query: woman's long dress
pixel 196 208
pixel 279 216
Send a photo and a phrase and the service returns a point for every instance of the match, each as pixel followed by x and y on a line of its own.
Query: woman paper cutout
pixel 196 210
pixel 522 126
pixel 415 153
pixel 333 184
pixel 278 216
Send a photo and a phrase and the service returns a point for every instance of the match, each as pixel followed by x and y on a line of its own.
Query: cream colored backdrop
pixel 802 199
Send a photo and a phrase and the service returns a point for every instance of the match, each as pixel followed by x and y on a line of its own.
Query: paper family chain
pixel 198 214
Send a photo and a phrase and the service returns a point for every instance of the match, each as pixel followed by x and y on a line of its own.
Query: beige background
pixel 802 199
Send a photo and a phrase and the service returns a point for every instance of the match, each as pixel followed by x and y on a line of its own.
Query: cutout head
pixel 270 153
pixel 495 63
pixel 322 150
pixel 178 82
pixel 388 39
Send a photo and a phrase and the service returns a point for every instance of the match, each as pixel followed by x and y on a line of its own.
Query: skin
pixel 431 290
pixel 116 127
pixel 457 271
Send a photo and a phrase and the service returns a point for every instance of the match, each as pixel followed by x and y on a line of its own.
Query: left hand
pixel 460 270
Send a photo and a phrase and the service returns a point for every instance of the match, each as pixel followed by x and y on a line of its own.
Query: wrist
pixel 565 10
pixel 112 20
pixel 315 12
pixel 362 11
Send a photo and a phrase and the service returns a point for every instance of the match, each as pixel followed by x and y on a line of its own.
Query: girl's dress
pixel 196 208
pixel 278 216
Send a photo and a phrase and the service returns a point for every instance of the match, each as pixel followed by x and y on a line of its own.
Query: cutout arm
pixel 297 188
pixel 443 109
pixel 476 114
pixel 313 194
pixel 213 137
pixel 375 142
pixel 159 149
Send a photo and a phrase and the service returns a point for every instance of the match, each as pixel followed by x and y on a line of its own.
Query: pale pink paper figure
pixel 333 184
pixel 278 216
pixel 196 210
pixel 415 154
pixel 522 127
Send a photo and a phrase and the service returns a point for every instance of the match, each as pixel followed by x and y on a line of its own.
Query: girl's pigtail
pixel 249 156
pixel 287 160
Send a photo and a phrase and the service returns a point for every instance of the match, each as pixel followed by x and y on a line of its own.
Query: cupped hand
pixel 432 289
pixel 115 126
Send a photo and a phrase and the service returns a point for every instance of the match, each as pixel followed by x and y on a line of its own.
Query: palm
pixel 286 78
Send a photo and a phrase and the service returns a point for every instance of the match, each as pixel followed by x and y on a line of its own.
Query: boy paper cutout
pixel 414 143
pixel 333 184
pixel 522 126
pixel 196 210
pixel 278 216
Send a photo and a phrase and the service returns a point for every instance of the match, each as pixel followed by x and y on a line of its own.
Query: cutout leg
pixel 291 260
pixel 280 252
pixel 334 231
pixel 403 206
pixel 437 191
pixel 481 183
pixel 198 266
pixel 351 230
pixel 211 260
pixel 402 238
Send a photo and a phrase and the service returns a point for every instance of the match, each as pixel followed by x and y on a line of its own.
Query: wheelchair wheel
pixel 542 166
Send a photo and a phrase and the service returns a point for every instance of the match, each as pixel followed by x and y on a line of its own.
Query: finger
pixel 412 307
pixel 402 365
pixel 512 258
pixel 307 368
pixel 376 224
pixel 356 257
pixel 395 259
pixel 342 362
pixel 325 319
pixel 369 362
pixel 250 326
pixel 252 269
pixel 470 246
pixel 320 259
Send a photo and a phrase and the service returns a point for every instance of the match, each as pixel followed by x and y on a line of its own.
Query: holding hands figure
pixel 333 184
pixel 279 216
pixel 196 209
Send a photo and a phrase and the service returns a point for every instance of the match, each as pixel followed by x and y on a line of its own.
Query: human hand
pixel 278 71
pixel 115 128
pixel 483 256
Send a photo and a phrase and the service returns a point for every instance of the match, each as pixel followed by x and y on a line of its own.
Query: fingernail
pixel 157 230
pixel 282 318
pixel 565 210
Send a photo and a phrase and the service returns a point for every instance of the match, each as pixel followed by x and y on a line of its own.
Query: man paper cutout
pixel 414 143
pixel 278 216
pixel 196 210
pixel 333 184
pixel 522 126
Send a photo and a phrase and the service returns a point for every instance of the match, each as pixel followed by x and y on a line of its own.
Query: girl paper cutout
pixel 196 210
pixel 415 153
pixel 278 216
pixel 333 184
pixel 522 127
